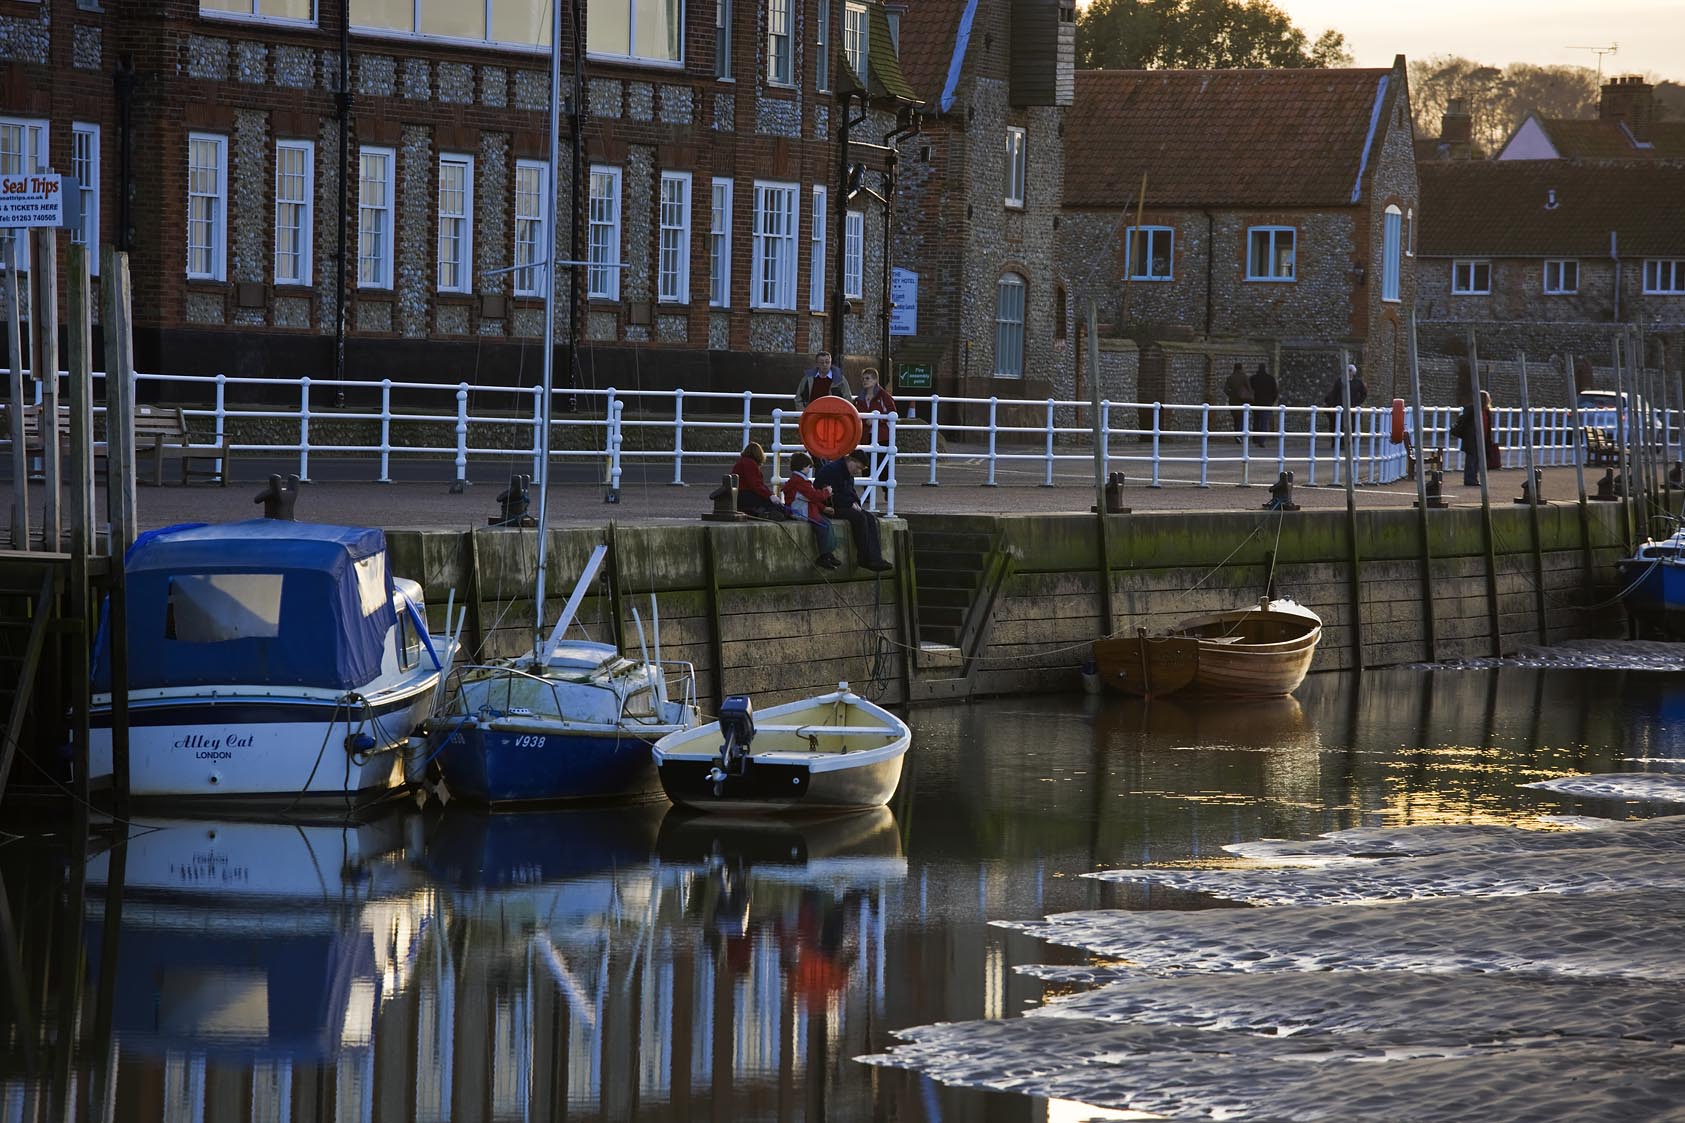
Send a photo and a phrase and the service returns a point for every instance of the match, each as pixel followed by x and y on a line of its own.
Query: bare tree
pixel 1498 100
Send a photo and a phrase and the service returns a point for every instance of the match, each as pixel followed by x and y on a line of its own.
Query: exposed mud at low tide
pixel 1420 973
pixel 1584 654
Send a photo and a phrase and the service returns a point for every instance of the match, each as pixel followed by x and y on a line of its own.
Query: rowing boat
pixel 1263 651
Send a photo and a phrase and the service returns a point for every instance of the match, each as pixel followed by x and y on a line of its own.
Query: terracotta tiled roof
pixel 1504 209
pixel 929 29
pixel 1255 138
pixel 1609 140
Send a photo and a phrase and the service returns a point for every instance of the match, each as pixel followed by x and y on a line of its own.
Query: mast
pixel 550 232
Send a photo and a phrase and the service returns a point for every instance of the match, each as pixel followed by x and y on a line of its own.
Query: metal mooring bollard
pixel 1610 488
pixel 513 503
pixel 1533 490
pixel 1676 474
pixel 1114 495
pixel 725 501
pixel 1281 494
pixel 1434 486
pixel 279 498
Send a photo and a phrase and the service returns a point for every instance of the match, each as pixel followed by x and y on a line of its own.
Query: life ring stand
pixel 830 427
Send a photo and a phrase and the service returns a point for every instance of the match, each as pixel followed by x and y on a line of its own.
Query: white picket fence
pixel 965 440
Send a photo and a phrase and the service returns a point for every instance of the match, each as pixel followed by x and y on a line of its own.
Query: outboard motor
pixel 737 724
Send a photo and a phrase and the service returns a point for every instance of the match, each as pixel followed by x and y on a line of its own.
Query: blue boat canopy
pixel 261 602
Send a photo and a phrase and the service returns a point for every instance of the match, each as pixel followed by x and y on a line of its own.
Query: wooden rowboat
pixel 831 753
pixel 1260 652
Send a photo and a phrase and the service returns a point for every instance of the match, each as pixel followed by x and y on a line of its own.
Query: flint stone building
pixel 209 135
pixel 1278 219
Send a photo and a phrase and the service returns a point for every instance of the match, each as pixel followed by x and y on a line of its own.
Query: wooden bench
pixel 159 430
pixel 1600 446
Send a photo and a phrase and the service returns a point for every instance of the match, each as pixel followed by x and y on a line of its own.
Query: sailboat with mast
pixel 570 719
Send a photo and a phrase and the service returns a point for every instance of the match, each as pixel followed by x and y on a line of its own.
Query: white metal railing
pixel 1029 440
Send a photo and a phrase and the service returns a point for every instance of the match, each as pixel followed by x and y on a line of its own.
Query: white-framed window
pixel 780 70
pixel 1150 254
pixel 519 23
pixel 1562 277
pixel 295 177
pixel 650 31
pixel 456 232
pixel 1664 276
pixel 1270 253
pixel 23 148
pixel 1014 166
pixel 207 206
pixel 532 227
pixel 603 234
pixel 277 11
pixel 854 255
pixel 374 217
pixel 822 48
pixel 856 39
pixel 1470 277
pixel 673 272
pixel 773 254
pixel 84 165
pixel 816 253
pixel 722 40
pixel 719 245
pixel 1392 236
pixel 1009 327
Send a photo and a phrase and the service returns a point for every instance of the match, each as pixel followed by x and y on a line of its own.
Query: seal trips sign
pixel 38 199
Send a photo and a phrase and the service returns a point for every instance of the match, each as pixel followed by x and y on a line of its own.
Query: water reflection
pixel 641 962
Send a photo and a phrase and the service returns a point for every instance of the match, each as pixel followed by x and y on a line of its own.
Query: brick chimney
pixel 1455 125
pixel 1631 99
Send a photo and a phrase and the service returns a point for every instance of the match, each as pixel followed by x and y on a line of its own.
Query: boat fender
pixel 1398 421
pixel 359 743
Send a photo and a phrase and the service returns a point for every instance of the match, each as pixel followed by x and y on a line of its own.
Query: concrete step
pixel 963 560
pixel 937 634
pixel 949 580
pixel 945 597
pixel 972 542
pixel 940 616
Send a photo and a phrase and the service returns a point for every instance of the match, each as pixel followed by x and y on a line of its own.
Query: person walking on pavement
pixel 1336 396
pixel 1239 391
pixel 824 377
pixel 1266 394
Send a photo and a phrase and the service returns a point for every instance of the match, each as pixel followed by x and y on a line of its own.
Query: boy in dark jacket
pixel 837 477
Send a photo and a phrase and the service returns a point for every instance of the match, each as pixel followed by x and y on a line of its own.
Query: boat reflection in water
pixel 253 963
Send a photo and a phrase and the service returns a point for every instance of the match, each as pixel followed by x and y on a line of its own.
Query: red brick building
pixel 290 175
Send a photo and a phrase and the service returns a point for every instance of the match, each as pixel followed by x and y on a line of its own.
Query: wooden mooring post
pixel 14 414
pixel 1488 535
pixel 1429 640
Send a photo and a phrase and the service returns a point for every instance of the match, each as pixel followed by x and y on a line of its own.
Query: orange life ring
pixel 1398 421
pixel 830 427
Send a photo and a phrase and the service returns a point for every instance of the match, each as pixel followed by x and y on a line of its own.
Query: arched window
pixel 1009 327
pixel 1391 228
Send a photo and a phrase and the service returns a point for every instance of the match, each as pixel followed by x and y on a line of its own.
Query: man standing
pixel 1239 391
pixel 823 378
pixel 838 475
pixel 1266 394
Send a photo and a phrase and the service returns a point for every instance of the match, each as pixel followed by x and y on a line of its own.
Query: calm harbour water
pixel 639 963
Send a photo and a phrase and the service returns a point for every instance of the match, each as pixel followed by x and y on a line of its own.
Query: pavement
pixel 422 495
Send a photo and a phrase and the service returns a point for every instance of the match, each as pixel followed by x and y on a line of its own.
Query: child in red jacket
pixel 808 502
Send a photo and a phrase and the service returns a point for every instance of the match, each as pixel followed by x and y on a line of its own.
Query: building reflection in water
pixel 641 962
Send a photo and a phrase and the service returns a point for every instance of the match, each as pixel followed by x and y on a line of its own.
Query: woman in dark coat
pixel 1265 392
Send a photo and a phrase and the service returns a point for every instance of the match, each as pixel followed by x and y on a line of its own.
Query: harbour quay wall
pixel 745 604
pixel 1168 566
pixel 742 602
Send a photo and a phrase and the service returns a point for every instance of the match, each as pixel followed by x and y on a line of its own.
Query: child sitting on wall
pixel 808 502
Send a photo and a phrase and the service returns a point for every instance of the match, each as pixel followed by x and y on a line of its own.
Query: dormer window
pixel 856 39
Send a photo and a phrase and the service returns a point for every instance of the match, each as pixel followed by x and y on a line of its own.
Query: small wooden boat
pixel 830 753
pixel 1260 652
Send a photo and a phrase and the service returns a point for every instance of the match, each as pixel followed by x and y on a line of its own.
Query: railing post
pixel 679 437
pixel 1106 438
pixel 539 413
pixel 994 404
pixel 617 410
pixel 221 413
pixel 1280 438
pixel 461 435
pixel 777 449
pixel 1048 481
pixel 1205 444
pixel 385 431
pixel 748 406
pixel 1310 451
pixel 304 429
pixel 1246 444
pixel 935 436
pixel 1158 429
pixel 889 502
